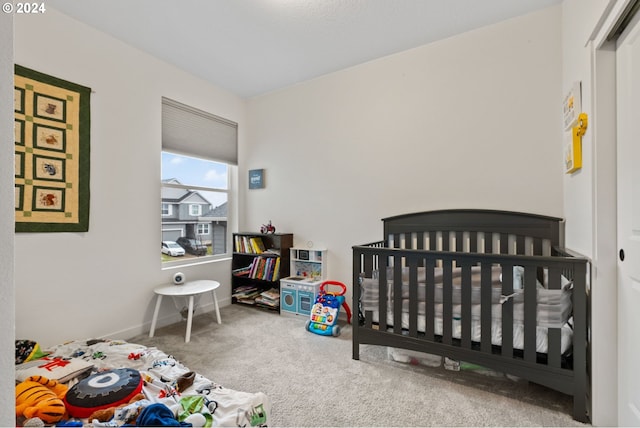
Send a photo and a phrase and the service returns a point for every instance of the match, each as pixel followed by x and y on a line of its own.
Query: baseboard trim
pixel 166 319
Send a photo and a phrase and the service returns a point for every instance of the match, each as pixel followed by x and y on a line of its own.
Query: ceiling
pixel 252 47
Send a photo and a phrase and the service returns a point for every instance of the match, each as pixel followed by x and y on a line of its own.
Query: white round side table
pixel 188 289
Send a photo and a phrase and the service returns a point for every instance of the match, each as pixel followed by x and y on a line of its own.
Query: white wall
pixel 340 152
pixel 7 310
pixel 99 283
pixel 473 121
pixel 578 20
pixel 589 200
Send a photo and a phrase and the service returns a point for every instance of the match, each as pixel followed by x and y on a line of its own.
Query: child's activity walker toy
pixel 325 311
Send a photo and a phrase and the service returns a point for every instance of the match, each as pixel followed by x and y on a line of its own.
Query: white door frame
pixel 604 304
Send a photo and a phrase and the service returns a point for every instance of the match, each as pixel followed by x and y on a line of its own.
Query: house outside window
pixel 194 206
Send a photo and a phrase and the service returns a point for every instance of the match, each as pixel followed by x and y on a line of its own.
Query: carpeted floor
pixel 313 381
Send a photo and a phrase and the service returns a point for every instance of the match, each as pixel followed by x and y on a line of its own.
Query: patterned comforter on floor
pixel 161 374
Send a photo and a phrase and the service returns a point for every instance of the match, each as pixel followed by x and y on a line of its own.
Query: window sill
pixel 195 262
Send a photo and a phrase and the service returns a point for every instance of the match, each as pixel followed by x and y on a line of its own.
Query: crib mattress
pixel 566 332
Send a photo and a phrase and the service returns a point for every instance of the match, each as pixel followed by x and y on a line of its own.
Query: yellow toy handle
pixel 583 121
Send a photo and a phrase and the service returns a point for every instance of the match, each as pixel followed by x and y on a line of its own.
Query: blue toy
pixel 325 311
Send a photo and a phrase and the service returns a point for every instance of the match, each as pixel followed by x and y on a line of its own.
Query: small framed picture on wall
pixel 256 179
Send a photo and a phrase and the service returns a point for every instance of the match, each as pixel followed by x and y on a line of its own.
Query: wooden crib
pixel 492 288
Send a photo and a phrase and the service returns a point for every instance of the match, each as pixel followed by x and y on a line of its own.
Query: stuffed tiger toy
pixel 40 397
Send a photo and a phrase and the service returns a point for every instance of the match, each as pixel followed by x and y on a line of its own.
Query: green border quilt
pixel 52 153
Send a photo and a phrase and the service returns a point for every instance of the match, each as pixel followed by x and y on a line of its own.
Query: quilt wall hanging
pixel 52 131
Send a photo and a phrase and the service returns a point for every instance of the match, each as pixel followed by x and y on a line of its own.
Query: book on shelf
pixel 271 293
pixel 246 294
pixel 259 273
pixel 276 270
pixel 243 271
pixel 244 290
pixel 249 244
pixel 264 268
pixel 270 298
pixel 257 245
pixel 267 303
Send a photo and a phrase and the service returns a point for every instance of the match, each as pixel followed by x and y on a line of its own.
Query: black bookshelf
pixel 259 261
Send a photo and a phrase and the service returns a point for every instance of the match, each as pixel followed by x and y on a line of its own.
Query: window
pixel 198 152
pixel 203 229
pixel 195 210
pixel 196 191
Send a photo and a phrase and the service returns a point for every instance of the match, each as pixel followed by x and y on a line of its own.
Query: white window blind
pixel 188 130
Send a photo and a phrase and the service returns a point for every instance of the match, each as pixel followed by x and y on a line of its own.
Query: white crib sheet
pixel 566 333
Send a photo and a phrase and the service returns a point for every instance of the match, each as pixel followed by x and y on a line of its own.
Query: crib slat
pixel 485 307
pixel 357 262
pixel 530 306
pixel 419 240
pixel 537 246
pixel 504 243
pixel 397 295
pixel 473 241
pixel 465 314
pixel 420 245
pixel 412 263
pixel 520 245
pixel 459 242
pixel 368 319
pixel 368 264
pixel 382 293
pixel 488 242
pixel 433 240
pixel 447 313
pixel 445 240
pixel 430 313
pixel 554 336
pixel 507 311
pixel 554 353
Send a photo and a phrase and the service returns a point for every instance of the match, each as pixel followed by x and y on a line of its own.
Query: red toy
pixel 268 228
